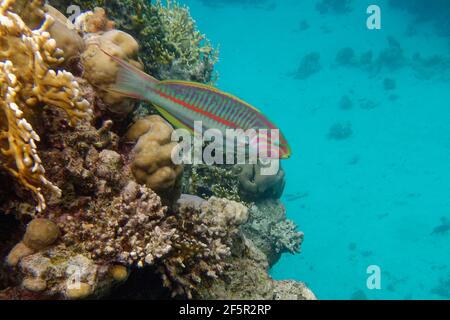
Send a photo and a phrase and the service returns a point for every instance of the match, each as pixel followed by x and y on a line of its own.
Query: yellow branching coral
pixel 27 80
pixel 20 139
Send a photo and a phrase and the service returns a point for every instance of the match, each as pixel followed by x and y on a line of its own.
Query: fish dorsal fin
pixel 178 124
pixel 209 88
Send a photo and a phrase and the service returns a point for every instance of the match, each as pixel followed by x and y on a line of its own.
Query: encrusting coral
pixel 28 81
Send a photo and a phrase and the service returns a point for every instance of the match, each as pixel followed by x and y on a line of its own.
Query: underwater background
pixel 366 113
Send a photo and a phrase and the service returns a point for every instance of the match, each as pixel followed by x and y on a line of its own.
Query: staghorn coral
pixel 152 163
pixel 27 81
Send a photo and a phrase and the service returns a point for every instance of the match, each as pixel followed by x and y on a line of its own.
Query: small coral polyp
pixel 27 80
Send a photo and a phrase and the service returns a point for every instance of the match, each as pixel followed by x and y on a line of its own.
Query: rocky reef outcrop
pixel 267 226
pixel 93 201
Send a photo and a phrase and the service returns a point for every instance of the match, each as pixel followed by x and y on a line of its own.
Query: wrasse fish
pixel 181 103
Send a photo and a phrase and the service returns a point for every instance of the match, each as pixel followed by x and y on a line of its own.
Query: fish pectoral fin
pixel 176 123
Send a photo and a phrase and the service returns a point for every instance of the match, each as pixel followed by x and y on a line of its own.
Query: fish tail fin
pixel 131 81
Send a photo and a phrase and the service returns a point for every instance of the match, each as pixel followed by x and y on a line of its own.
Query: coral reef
pixel 247 279
pixel 28 82
pixel 61 273
pixel 243 183
pixel 303 25
pixel 442 289
pixel 171 45
pixel 207 230
pixel 129 222
pixel 390 58
pixel 188 248
pixel 269 230
pixel 66 36
pixel 94 21
pixel 152 159
pixel 117 213
pixel 188 54
pixel 216 180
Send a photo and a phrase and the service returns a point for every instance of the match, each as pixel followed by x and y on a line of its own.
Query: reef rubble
pixel 93 200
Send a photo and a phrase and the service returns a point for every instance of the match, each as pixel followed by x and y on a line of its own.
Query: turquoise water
pixel 369 177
